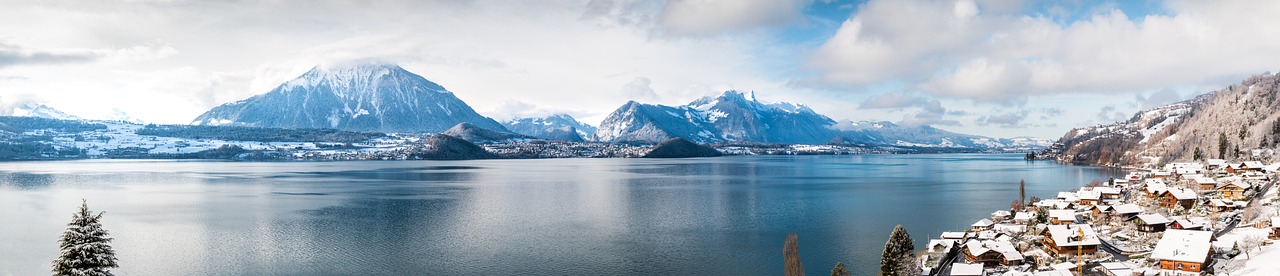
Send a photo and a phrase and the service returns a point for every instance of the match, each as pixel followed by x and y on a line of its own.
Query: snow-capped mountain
pixel 364 97
pixel 738 117
pixel 554 127
pixel 887 133
pixel 31 109
pixel 728 117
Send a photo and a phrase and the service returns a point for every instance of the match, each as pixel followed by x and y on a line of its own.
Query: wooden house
pixel 1175 197
pixel 1073 239
pixel 992 252
pixel 1183 250
pixel 1062 217
pixel 1151 223
pixel 1233 190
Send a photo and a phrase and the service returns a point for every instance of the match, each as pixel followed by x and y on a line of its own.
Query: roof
pixel 1153 219
pixel 1107 190
pixel 1064 235
pixel 1253 164
pixel 966 269
pixel 1241 185
pixel 1089 195
pixel 1068 196
pixel 1063 266
pixel 983 223
pixel 1000 213
pixel 946 244
pixel 1024 216
pixel 1183 246
pixel 954 235
pixel 1205 180
pixel 1154 181
pixel 1005 248
pixel 1128 208
pixel 1275 221
pixel 1182 194
pixel 1063 214
pixel 1010 228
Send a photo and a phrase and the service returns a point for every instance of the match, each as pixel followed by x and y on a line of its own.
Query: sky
pixel 1000 68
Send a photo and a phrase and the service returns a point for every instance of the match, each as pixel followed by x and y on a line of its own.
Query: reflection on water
pixel 718 216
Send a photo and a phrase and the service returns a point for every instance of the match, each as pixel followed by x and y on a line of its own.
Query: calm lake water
pixel 714 216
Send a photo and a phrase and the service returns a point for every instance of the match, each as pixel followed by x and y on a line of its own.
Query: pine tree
pixel 1198 154
pixel 86 249
pixel 839 270
pixel 1022 192
pixel 896 259
pixel 1222 145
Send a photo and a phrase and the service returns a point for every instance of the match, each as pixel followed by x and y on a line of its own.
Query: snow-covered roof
pixel 1064 235
pixel 1128 208
pixel 945 244
pixel 1068 196
pixel 1153 219
pixel 1182 194
pixel 983 223
pixel 1009 228
pixel 1024 216
pixel 1253 164
pixel 1156 188
pixel 1155 182
pixel 1205 181
pixel 1183 245
pixel 954 235
pixel 1063 266
pixel 1107 190
pixel 1275 222
pixel 1063 214
pixel 1241 184
pixel 1005 248
pixel 1089 195
pixel 966 269
pixel 1000 213
pixel 1217 162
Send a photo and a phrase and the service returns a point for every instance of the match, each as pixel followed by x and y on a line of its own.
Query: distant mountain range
pixel 366 97
pixel 1228 123
pixel 736 117
pixel 387 98
pixel 31 109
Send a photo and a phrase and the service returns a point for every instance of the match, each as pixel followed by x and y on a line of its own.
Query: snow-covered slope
pixel 728 117
pixel 364 97
pixel 1240 117
pixel 554 127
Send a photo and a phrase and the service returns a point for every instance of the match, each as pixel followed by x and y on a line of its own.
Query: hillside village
pixel 1214 218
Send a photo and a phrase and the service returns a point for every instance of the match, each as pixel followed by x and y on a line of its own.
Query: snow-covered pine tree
pixel 896 250
pixel 86 249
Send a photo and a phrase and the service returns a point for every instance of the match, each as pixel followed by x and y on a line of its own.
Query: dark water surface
pixel 716 216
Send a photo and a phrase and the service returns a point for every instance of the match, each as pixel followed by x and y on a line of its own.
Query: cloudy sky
pixel 998 67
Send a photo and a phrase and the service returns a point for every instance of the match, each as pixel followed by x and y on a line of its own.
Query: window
pixel 1179 266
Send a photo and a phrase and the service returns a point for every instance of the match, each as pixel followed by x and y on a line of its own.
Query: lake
pixel 704 216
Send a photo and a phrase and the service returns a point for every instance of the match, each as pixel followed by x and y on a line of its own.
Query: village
pixel 1213 218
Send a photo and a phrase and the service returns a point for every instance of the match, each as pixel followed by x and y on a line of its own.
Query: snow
pixel 1260 263
pixel 715 114
pixel 1183 245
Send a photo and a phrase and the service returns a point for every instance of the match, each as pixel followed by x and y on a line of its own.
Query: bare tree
pixel 791 256
pixel 1250 242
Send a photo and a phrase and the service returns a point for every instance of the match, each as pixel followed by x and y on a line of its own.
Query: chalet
pixel 1214 164
pixel 1089 198
pixel 1000 215
pixel 1155 189
pixel 1178 197
pixel 1188 224
pixel 983 224
pixel 1206 183
pixel 1101 210
pixel 1183 250
pixel 1117 268
pixel 1109 192
pixel 1024 217
pixel 1121 182
pixel 1275 228
pixel 1221 205
pixel 1073 239
pixel 1246 166
pixel 1126 211
pixel 1255 176
pixel 1062 217
pixel 1068 197
pixel 1233 190
pixel 992 252
pixel 955 236
pixel 1151 223
pixel 939 246
pixel 1055 204
pixel 1160 174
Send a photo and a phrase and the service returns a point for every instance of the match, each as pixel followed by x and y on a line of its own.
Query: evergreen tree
pixel 1198 154
pixel 897 258
pixel 86 249
pixel 1222 145
pixel 1022 191
pixel 839 270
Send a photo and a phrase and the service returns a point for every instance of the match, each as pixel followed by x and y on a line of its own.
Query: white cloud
pixel 949 49
pixel 638 89
pixel 702 17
